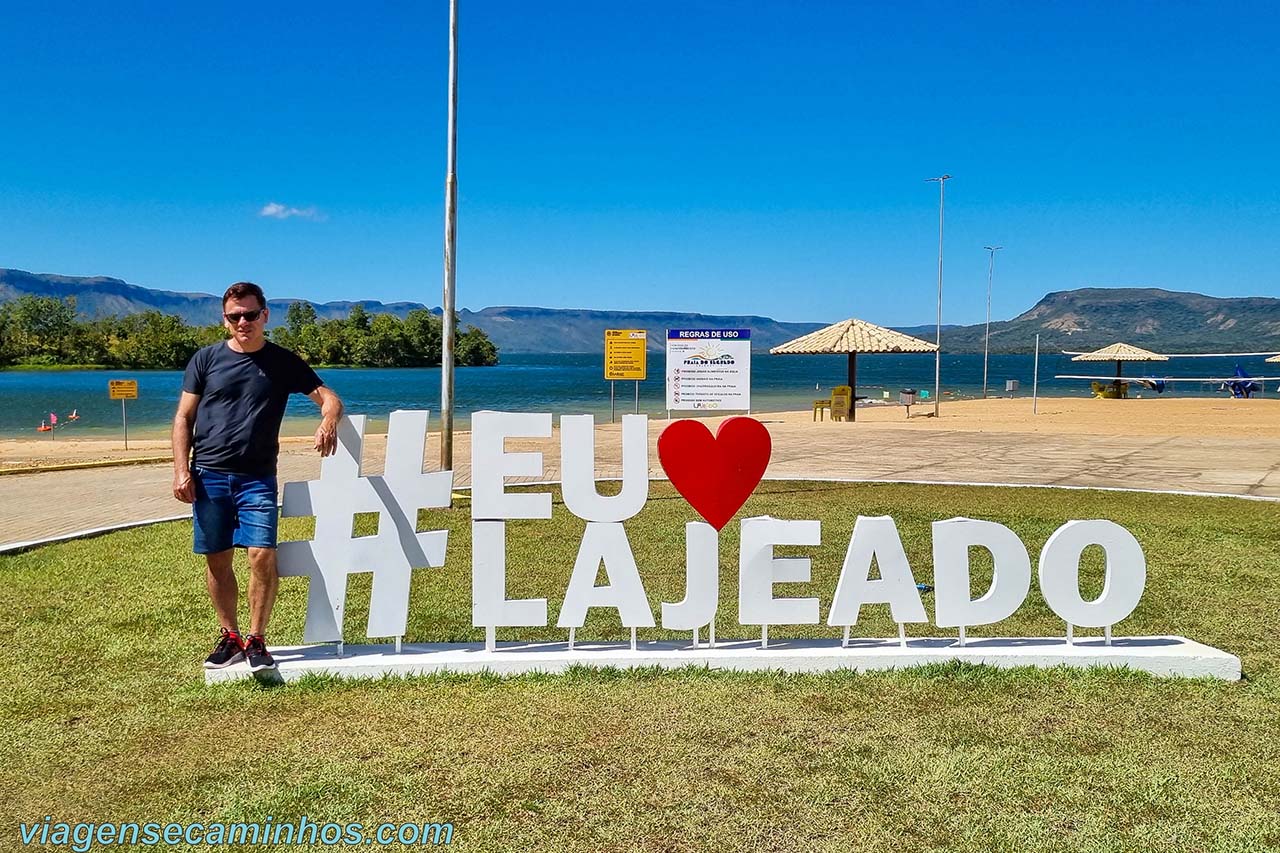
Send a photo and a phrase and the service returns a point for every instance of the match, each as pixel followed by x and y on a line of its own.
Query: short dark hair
pixel 241 289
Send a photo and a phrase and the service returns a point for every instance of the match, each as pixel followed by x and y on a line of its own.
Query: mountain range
pixel 1087 318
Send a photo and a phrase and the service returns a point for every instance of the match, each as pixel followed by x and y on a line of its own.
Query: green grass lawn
pixel 107 716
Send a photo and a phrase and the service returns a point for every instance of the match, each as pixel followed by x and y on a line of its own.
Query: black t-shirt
pixel 242 400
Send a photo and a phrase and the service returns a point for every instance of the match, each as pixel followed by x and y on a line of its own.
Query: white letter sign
pixel 876 538
pixel 1126 573
pixel 715 475
pixel 490 607
pixel 702 584
pixel 605 542
pixel 578 464
pixel 1010 576
pixel 759 570
pixel 490 463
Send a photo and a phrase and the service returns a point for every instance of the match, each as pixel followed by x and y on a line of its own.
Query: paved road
pixel 38 506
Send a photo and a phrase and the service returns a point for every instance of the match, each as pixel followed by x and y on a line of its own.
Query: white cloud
pixel 276 210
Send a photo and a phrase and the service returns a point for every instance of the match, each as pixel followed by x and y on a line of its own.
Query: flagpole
pixel 448 330
pixel 937 356
pixel 986 336
pixel 1035 380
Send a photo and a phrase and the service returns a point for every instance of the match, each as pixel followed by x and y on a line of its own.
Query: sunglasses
pixel 250 316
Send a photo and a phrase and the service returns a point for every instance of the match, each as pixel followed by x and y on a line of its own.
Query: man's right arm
pixel 183 427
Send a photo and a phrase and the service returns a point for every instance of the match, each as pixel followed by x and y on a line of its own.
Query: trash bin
pixel 907 396
pixel 1010 385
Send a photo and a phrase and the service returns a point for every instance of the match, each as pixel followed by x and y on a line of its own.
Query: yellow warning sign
pixel 624 354
pixel 122 389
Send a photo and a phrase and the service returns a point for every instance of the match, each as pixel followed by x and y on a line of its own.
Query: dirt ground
pixel 1181 417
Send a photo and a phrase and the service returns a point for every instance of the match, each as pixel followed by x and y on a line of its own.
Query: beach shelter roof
pixel 1121 352
pixel 853 336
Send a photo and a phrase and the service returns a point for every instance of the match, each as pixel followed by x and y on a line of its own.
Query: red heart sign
pixel 716 474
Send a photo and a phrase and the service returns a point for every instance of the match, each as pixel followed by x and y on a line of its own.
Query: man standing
pixel 233 400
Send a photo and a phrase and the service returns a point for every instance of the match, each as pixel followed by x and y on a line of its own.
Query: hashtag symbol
pixel 392 554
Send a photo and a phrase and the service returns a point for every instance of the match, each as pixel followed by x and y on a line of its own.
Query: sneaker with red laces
pixel 230 649
pixel 255 652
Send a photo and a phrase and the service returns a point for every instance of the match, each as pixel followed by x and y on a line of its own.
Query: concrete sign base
pixel 1161 656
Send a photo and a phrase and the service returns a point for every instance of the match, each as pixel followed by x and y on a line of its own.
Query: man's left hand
pixel 327 438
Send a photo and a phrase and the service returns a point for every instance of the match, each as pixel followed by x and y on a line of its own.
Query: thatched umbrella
pixel 1120 353
pixel 851 337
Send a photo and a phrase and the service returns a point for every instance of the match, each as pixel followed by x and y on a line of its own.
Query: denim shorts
pixel 233 510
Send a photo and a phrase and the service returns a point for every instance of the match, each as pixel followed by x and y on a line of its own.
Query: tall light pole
pixel 448 332
pixel 986 337
pixel 937 356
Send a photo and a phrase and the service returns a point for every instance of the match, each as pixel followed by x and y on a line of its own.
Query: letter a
pixel 876 538
pixel 605 542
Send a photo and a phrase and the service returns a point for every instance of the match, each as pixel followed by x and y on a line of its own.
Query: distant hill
pixel 1081 319
pixel 1159 320
pixel 582 330
pixel 99 296
pixel 511 329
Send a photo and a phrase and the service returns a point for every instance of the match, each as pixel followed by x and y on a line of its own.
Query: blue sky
pixel 764 158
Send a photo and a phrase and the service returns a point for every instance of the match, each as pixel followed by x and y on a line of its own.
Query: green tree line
pixel 378 340
pixel 43 330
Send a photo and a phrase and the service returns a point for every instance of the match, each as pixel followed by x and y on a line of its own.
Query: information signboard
pixel 709 369
pixel 122 389
pixel 624 354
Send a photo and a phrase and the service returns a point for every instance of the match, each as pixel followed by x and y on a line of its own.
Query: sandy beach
pixel 1206 446
pixel 1191 417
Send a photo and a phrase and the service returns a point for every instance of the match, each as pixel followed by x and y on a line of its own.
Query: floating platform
pixel 1161 656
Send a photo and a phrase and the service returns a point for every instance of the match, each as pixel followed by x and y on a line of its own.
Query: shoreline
pixel 1183 417
pixel 1208 447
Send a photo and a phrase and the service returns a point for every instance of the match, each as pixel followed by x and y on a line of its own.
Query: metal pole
pixel 1035 380
pixel 612 386
pixel 637 396
pixel 937 356
pixel 986 337
pixel 853 386
pixel 448 331
pixel 125 419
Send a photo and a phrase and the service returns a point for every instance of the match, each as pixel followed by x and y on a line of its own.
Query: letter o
pixel 408 829
pixel 1126 573
pixel 330 833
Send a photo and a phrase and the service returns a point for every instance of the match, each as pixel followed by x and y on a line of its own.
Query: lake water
pixel 566 384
